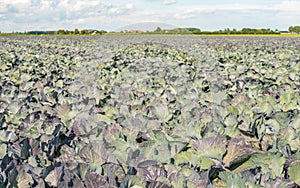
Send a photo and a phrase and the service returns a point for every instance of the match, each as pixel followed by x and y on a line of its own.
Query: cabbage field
pixel 150 111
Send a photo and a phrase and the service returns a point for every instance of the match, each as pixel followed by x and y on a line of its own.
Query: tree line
pixel 247 31
pixel 158 30
pixel 225 31
pixel 80 32
pixel 60 32
pixel 294 29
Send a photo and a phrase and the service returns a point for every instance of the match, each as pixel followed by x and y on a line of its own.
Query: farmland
pixel 149 111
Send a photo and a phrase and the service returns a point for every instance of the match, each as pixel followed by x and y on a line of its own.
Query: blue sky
pixel 26 15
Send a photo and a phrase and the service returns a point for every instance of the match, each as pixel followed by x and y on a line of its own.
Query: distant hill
pixel 146 26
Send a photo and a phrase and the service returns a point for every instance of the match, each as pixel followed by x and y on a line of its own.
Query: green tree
pixel 297 29
pixel 84 32
pixel 294 29
pixel 61 32
pixel 193 30
pixel 76 32
pixel 227 30
pixel 103 31
pixel 158 30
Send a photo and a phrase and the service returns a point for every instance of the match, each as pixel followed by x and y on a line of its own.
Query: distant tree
pixel 227 30
pixel 76 32
pixel 294 29
pixel 247 31
pixel 158 30
pixel 61 32
pixel 102 32
pixel 84 32
pixel 297 29
pixel 193 30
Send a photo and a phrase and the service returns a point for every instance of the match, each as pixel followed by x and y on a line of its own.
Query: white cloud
pixel 129 6
pixel 165 2
pixel 186 14
pixel 15 2
pixel 116 10
pixel 288 5
pixel 169 2
pixel 104 14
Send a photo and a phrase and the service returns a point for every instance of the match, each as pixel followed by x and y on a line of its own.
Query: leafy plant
pixel 138 111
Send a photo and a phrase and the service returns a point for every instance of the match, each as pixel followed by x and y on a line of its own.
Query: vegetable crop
pixel 138 111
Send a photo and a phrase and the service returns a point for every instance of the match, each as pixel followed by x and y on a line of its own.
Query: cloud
pixel 69 14
pixel 53 14
pixel 285 5
pixel 169 2
pixel 288 6
pixel 186 14
pixel 64 9
pixel 165 2
pixel 116 10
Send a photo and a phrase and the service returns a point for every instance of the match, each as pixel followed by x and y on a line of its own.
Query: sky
pixel 28 15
